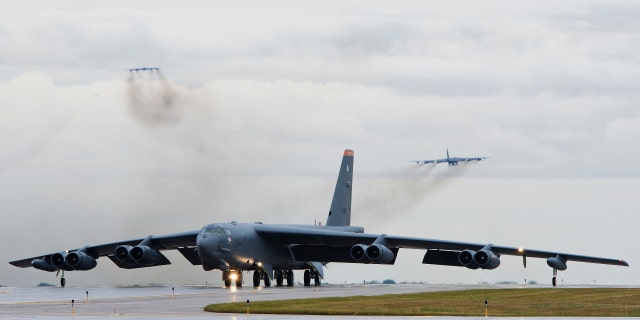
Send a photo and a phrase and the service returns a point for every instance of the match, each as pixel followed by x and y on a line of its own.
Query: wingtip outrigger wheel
pixel 555 275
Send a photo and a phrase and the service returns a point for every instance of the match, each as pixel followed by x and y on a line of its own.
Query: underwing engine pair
pixel 272 252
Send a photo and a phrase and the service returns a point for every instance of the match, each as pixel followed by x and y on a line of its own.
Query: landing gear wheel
pixel 63 282
pixel 279 278
pixel 226 278
pixel 307 278
pixel 239 279
pixel 289 278
pixel 267 280
pixel 256 278
pixel 553 281
pixel 316 279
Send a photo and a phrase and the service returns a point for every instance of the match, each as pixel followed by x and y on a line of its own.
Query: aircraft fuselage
pixel 237 246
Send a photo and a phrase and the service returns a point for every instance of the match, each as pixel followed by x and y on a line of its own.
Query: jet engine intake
pixel 486 259
pixel 80 261
pixel 379 253
pixel 57 259
pixel 145 255
pixel 466 259
pixel 357 252
pixel 123 255
pixel 557 262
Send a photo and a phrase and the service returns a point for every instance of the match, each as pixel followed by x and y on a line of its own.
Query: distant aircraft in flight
pixel 273 251
pixel 144 69
pixel 451 161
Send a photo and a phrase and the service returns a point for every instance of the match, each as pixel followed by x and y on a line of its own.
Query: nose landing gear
pixel 231 276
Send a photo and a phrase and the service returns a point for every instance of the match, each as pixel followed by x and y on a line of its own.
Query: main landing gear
pixel 257 275
pixel 308 274
pixel 281 275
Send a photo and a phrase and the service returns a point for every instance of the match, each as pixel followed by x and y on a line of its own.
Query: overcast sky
pixel 257 101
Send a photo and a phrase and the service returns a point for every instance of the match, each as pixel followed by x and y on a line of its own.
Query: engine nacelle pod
pixel 57 259
pixel 145 255
pixel 466 259
pixel 379 253
pixel 122 254
pixel 557 262
pixel 80 261
pixel 43 265
pixel 357 252
pixel 486 259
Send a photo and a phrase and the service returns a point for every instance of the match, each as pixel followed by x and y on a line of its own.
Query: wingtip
pixel 25 263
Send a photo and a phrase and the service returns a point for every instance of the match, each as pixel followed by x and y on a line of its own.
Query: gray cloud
pixel 412 49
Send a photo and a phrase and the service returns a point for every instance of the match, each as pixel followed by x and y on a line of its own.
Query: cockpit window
pixel 215 230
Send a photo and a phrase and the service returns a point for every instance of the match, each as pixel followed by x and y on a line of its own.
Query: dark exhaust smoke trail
pixel 424 169
pixel 152 99
pixel 404 189
pixel 168 93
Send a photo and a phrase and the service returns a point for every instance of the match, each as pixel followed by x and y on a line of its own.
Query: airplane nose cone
pixel 209 256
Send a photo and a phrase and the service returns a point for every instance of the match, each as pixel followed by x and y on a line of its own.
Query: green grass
pixel 564 302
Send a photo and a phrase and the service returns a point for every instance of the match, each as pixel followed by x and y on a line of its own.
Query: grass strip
pixel 520 302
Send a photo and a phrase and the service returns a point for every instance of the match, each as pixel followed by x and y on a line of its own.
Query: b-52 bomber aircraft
pixel 273 251
pixel 451 161
pixel 144 69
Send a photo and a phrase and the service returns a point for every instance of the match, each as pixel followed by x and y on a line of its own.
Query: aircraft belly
pixel 244 249
pixel 275 255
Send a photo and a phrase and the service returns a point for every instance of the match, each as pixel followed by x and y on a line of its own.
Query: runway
pixel 184 302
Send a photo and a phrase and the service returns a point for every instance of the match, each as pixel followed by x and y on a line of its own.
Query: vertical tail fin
pixel 340 211
pixel 447 153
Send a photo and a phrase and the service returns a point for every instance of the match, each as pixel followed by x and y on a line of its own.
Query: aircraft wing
pixel 430 161
pixel 470 159
pixel 328 238
pixel 165 242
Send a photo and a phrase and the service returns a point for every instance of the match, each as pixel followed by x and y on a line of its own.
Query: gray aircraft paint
pixel 340 211
pixel 265 248
pixel 452 161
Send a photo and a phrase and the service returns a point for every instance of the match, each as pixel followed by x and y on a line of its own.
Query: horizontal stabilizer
pixel 442 257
